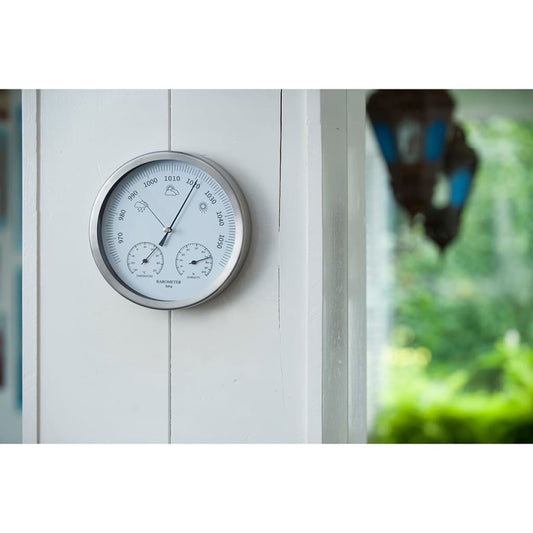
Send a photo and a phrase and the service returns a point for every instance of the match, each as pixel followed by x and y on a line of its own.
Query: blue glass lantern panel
pixel 461 181
pixel 386 141
pixel 435 140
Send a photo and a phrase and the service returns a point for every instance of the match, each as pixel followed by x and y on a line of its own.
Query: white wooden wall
pixel 289 332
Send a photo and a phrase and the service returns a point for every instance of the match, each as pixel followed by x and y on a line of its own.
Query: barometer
pixel 170 230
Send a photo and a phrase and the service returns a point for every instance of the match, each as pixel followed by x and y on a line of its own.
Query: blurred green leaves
pixel 458 307
pixel 453 408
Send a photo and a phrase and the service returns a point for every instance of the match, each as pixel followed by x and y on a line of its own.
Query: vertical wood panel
pixel 229 380
pixel 30 272
pixel 293 262
pixel 344 305
pixel 314 271
pixel 335 264
pixel 103 359
pixel 356 266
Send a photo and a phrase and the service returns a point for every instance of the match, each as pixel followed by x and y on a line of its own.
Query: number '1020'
pixel 191 182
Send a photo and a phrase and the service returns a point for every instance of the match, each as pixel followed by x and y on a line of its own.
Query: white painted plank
pixel 295 246
pixel 103 359
pixel 314 269
pixel 30 272
pixel 357 397
pixel 229 381
pixel 335 264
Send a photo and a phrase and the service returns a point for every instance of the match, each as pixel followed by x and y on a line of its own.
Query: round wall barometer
pixel 170 230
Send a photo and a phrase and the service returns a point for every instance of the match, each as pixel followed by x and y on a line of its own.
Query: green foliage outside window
pixel 489 402
pixel 451 375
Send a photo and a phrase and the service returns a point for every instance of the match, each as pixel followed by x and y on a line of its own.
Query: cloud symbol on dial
pixel 141 206
pixel 171 191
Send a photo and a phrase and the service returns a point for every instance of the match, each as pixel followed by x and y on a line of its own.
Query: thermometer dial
pixel 145 259
pixel 169 230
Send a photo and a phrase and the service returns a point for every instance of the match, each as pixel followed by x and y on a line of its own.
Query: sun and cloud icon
pixel 171 191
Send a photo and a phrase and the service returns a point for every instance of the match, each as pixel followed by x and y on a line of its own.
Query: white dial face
pixel 168 231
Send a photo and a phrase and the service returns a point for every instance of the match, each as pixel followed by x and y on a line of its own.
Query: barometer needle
pixel 149 209
pixel 169 229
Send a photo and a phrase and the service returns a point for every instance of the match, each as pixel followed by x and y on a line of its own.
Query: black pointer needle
pixel 145 260
pixel 169 229
pixel 194 262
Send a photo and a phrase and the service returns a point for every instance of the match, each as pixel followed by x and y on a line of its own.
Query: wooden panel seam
pixel 169 371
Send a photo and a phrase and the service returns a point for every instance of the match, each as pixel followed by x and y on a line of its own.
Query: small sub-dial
pixel 145 259
pixel 194 261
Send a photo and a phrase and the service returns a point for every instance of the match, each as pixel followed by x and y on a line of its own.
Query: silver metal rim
pixel 242 230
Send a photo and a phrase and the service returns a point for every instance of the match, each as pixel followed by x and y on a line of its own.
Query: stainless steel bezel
pixel 242 230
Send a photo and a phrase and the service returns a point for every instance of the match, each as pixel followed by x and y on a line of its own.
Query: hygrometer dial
pixel 169 230
pixel 194 261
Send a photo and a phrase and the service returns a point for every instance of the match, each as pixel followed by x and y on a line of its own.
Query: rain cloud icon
pixel 141 206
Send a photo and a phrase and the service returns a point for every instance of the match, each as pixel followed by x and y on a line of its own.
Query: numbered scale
pixel 170 230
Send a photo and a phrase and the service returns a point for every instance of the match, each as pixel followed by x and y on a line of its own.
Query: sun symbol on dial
pixel 202 207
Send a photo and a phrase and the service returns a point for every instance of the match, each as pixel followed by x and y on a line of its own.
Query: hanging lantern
pixel 442 225
pixel 4 104
pixel 411 127
pixel 460 164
